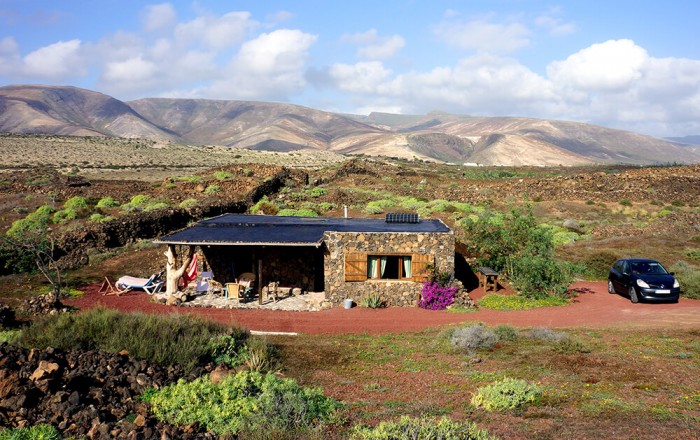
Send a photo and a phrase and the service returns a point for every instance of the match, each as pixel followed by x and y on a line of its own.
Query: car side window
pixel 625 268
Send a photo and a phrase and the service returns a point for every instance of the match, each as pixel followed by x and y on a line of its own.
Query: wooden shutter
pixel 418 267
pixel 355 267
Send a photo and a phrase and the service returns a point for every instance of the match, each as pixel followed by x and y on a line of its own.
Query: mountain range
pixel 65 110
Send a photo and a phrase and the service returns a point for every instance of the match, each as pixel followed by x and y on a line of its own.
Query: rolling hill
pixel 285 127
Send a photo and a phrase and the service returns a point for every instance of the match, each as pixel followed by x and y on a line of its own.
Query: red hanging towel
pixel 191 272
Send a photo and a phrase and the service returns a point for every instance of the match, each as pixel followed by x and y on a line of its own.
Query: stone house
pixel 343 257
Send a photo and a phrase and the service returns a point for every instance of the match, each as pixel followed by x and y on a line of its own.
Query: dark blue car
pixel 643 279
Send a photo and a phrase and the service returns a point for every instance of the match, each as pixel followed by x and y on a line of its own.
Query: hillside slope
pixel 286 127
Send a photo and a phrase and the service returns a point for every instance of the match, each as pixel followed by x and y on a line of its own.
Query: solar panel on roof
pixel 401 217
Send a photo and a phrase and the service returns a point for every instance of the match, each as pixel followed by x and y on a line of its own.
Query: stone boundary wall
pixel 394 292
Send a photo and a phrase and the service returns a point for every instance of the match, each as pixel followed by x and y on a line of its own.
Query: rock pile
pixel 43 305
pixel 90 394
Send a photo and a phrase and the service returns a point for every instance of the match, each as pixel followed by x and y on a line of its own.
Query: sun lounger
pixel 149 285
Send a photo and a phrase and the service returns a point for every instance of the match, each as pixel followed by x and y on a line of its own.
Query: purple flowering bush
pixel 435 296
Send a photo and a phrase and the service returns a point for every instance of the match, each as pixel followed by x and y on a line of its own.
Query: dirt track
pixel 593 307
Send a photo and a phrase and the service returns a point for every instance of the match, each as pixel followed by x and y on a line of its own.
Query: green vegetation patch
pixel 166 340
pixel 688 276
pixel 244 402
pixel 506 394
pixel 38 432
pixel 106 203
pixel 495 301
pixel 424 428
pixel 297 212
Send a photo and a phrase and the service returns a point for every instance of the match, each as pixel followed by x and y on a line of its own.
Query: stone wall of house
pixel 394 292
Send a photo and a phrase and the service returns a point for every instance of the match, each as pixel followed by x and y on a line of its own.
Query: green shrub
pixel 222 175
pixel 64 215
pixel 516 302
pixel 9 336
pixel 188 203
pixel 327 206
pixel 139 200
pixel 506 394
pixel 517 246
pixel 99 218
pixel 625 202
pixel 38 219
pixel 372 209
pixel 678 203
pixel 264 206
pixel 76 202
pixel 166 340
pixel 38 432
pixel 244 402
pixel 688 276
pixel 570 345
pixel 297 212
pixel 155 205
pixel 372 301
pixel 506 333
pixel 473 337
pixel 191 179
pixel 424 428
pixel 693 254
pixel 597 265
pixel 229 349
pixel 212 189
pixel 317 192
pixel 106 203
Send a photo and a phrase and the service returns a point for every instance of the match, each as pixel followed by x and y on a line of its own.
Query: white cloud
pixel 613 65
pixel 484 36
pixel 135 69
pixel 270 66
pixel 56 61
pixel 375 47
pixel 159 17
pixel 555 25
pixel 363 77
pixel 217 33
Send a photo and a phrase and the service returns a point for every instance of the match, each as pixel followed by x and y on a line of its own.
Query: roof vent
pixel 401 217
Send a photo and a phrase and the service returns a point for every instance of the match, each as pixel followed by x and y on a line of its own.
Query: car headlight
pixel 676 284
pixel 642 283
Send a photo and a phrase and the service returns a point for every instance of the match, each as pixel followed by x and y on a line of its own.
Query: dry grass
pixel 110 158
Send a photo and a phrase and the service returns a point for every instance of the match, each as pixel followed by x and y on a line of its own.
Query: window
pixel 389 267
pixel 362 266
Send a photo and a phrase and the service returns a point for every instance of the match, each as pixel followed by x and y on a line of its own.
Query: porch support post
pixel 260 282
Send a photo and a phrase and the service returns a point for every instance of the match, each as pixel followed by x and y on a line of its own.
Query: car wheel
pixel 633 296
pixel 611 288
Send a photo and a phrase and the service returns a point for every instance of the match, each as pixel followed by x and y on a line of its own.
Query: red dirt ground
pixel 593 307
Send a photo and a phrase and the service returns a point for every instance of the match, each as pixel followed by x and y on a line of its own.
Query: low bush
pixel 212 189
pixel 188 203
pixel 222 175
pixel 625 202
pixel 506 333
pixel 9 336
pixel 546 334
pixel 38 219
pixel 424 428
pixel 190 179
pixel 264 206
pixel 106 203
pixel 166 340
pixel 688 276
pixel 100 218
pixel 297 212
pixel 155 205
pixel 372 301
pixel 317 192
pixel 64 215
pixel 516 302
pixel 247 402
pixel 38 432
pixel 77 202
pixel 693 254
pixel 570 345
pixel 597 265
pixel 435 296
pixel 506 394
pixel 473 337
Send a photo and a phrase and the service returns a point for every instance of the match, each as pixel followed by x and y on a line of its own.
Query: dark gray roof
pixel 242 229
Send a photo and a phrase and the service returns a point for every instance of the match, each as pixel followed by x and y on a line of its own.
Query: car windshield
pixel 648 268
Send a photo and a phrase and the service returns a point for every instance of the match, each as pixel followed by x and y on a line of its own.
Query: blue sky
pixel 623 64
